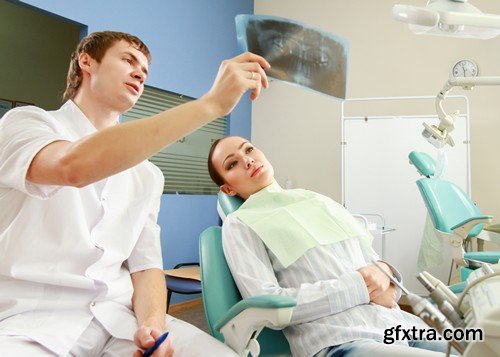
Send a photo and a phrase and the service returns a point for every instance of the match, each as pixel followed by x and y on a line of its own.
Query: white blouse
pixel 333 303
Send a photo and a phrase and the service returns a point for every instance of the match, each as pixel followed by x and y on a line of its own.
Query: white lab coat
pixel 66 254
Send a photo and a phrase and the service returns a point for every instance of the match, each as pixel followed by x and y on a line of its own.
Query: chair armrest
pixel 261 301
pixel 463 228
pixel 241 324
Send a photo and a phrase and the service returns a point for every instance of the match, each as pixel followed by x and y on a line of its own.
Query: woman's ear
pixel 227 190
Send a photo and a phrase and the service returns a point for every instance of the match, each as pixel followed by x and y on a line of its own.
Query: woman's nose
pixel 249 161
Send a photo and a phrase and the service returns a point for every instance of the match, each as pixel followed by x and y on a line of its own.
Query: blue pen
pixel 158 342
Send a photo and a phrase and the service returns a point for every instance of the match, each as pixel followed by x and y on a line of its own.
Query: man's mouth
pixel 133 86
pixel 256 170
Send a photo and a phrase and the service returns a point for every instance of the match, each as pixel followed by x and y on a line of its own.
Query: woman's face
pixel 243 167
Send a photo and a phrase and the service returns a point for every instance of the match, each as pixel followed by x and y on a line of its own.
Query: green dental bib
pixel 290 222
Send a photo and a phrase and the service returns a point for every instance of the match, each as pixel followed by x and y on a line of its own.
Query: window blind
pixel 183 163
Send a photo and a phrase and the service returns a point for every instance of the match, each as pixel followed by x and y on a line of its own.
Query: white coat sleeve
pixel 23 133
pixel 147 251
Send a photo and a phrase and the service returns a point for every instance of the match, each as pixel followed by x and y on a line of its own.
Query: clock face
pixel 464 68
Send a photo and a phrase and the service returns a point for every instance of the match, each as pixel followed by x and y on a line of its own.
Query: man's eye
pixel 128 60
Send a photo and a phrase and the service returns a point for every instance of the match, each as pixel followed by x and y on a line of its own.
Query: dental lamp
pixel 455 18
pixel 439 135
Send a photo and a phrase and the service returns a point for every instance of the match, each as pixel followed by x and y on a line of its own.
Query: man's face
pixel 243 167
pixel 119 78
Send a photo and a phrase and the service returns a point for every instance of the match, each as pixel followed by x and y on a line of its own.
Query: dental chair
pixel 240 323
pixel 455 217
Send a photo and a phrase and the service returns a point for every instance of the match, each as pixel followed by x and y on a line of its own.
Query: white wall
pixel 300 130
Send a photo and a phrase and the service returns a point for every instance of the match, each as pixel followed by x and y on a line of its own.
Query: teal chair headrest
pixel 424 163
pixel 227 204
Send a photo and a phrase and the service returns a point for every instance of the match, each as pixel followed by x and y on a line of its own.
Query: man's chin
pixel 126 104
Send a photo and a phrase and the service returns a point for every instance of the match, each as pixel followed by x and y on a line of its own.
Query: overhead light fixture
pixel 455 18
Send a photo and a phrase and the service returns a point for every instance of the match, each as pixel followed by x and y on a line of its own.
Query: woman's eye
pixel 128 60
pixel 249 150
pixel 231 165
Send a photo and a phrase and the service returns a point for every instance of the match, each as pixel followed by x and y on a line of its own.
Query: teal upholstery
pixel 449 206
pixel 218 288
pixel 220 293
pixel 458 288
pixel 464 273
pixel 423 162
pixel 229 204
pixel 491 257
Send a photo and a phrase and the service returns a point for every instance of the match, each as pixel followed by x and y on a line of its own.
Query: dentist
pixel 81 265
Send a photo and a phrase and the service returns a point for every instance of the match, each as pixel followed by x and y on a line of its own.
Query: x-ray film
pixel 298 53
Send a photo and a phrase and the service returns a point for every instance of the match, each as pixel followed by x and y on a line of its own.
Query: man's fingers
pixel 252 57
pixel 156 333
pixel 164 350
pixel 143 338
pixel 256 88
pixel 235 77
pixel 255 72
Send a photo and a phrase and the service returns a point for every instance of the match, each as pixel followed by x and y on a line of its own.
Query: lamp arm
pixel 446 121
pixel 470 82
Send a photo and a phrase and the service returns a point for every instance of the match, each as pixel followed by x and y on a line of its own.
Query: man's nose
pixel 137 74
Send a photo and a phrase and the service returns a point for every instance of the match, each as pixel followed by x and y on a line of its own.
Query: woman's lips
pixel 257 170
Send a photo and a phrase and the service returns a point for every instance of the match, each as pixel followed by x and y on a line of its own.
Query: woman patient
pixel 305 245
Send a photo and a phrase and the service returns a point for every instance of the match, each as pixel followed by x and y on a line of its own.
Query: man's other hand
pixel 145 337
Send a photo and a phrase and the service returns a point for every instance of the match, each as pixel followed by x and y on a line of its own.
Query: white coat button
pixel 92 303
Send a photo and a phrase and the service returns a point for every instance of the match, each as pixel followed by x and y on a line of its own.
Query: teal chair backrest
pixel 218 288
pixel 220 292
pixel 446 203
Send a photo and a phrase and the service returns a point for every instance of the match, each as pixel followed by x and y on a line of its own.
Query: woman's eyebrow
pixel 228 156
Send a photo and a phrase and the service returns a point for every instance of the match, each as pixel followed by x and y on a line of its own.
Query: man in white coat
pixel 81 266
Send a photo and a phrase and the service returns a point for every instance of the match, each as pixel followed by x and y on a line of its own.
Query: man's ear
pixel 227 190
pixel 85 62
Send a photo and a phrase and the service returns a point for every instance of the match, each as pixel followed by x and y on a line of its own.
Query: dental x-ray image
pixel 298 53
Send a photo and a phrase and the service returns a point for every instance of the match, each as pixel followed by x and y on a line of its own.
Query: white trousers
pixel 95 341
